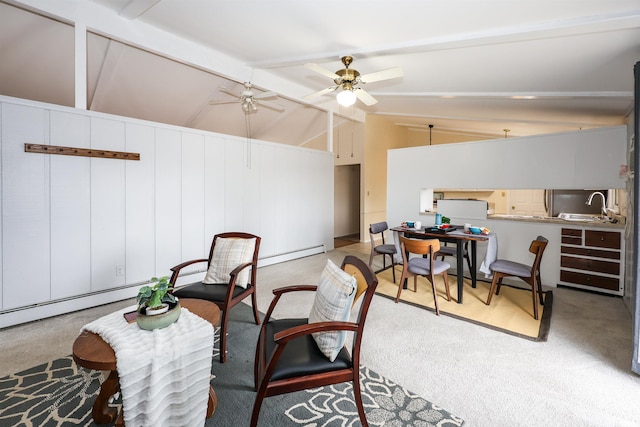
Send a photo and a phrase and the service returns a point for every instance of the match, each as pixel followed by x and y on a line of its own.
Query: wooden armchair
pixel 231 277
pixel 288 358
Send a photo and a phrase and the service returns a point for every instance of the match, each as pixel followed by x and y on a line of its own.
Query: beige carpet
pixel 511 311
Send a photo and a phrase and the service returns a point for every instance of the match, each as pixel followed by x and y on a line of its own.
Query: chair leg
pixel 540 289
pixel 435 294
pixel 257 404
pixel 357 396
pixel 402 279
pixel 223 337
pixel 254 303
pixel 492 289
pixel 445 275
pixel 499 285
pixel 535 300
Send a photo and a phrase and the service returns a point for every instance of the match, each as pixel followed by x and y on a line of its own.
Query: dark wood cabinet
pixel 591 259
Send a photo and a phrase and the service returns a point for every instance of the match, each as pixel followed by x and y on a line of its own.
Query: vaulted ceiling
pixel 469 67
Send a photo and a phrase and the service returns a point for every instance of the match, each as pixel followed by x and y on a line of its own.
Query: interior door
pixel 526 202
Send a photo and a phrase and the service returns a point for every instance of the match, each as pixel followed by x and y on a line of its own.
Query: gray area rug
pixel 61 394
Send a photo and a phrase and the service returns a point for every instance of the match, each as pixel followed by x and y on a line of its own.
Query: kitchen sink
pixel 579 217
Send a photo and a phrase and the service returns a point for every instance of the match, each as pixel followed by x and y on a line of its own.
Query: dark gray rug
pixel 61 394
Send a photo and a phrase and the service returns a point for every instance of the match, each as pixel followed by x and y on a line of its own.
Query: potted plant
pixel 157 307
pixel 155 299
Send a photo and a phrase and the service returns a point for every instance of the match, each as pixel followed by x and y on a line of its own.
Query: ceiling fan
pixel 348 79
pixel 250 100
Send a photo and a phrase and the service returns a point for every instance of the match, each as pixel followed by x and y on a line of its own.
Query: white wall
pixel 569 160
pixel 79 231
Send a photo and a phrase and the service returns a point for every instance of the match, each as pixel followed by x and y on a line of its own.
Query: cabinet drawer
pixel 592 280
pixel 590 252
pixel 590 265
pixel 602 239
pixel 570 240
pixel 571 232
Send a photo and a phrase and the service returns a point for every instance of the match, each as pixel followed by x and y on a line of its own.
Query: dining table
pixel 454 234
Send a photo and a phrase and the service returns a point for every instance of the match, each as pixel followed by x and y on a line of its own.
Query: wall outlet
pixel 119 270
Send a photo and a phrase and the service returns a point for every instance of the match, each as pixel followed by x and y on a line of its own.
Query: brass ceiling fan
pixel 348 80
pixel 250 100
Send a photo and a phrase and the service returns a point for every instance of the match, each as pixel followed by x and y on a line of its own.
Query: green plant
pixel 155 295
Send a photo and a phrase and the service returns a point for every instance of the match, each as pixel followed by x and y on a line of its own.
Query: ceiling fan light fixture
pixel 346 98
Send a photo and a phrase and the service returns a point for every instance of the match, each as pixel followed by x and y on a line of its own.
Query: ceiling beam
pixel 135 8
pixel 543 30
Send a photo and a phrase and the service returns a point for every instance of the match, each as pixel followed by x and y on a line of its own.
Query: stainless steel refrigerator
pixel 572 201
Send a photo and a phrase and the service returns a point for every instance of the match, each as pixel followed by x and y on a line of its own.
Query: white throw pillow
pixel 332 302
pixel 229 253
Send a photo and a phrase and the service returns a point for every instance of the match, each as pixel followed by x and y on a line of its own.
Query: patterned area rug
pixel 60 393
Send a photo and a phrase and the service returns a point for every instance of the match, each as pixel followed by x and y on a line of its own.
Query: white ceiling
pixel 470 67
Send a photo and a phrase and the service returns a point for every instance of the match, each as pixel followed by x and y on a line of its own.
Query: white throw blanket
pixel 164 373
pixel 490 256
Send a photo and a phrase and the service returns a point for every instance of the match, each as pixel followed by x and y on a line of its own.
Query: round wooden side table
pixel 92 352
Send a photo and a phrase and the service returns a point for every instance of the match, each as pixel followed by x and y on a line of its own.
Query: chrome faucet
pixel 604 202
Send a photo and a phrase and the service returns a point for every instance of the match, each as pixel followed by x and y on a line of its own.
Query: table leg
pixel 474 270
pixel 460 268
pixel 212 404
pixel 101 412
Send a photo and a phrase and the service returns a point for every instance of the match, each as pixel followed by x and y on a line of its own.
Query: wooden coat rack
pixel 82 152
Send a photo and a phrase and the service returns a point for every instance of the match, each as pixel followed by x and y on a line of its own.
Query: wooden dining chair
pixel 384 249
pixel 452 251
pixel 425 265
pixel 288 356
pixel 530 274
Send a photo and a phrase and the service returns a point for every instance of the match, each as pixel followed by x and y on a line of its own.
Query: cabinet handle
pixel 602 239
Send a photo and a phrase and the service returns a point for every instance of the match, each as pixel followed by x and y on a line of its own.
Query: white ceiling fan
pixel 249 100
pixel 348 80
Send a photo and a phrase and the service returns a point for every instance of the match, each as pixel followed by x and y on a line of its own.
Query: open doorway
pixel 346 216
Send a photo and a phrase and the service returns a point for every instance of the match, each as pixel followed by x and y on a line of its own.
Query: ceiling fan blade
pixel 320 92
pixel 364 96
pixel 322 70
pixel 224 102
pixel 270 105
pixel 228 92
pixel 391 73
pixel 266 95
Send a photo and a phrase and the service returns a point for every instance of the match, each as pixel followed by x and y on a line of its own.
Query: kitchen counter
pixel 555 220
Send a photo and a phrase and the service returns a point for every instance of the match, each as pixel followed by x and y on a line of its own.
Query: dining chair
pixel 452 251
pixel 425 265
pixel 383 249
pixel 230 277
pixel 530 274
pixel 291 356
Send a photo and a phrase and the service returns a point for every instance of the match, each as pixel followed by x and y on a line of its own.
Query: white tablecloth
pixel 164 373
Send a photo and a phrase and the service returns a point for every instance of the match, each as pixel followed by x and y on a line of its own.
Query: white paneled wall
pixel 70 207
pixel 80 231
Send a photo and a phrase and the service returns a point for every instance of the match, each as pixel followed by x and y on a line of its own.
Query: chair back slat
pixel 361 281
pixel 537 247
pixel 420 246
